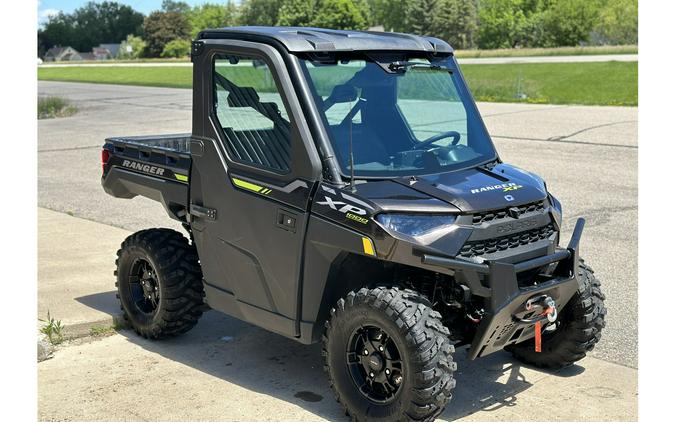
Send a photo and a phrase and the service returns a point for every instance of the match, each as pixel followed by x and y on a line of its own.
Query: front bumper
pixel 505 300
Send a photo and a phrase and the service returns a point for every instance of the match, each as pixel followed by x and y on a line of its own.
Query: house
pixel 113 48
pixel 61 54
pixel 101 53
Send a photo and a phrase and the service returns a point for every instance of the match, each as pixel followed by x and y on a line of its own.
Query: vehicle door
pixel 253 167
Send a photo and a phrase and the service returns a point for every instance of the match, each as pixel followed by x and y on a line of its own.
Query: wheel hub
pixel 144 286
pixel 375 364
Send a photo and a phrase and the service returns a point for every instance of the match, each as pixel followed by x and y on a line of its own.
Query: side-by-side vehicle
pixel 341 187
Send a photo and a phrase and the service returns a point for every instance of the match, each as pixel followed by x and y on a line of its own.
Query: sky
pixel 52 7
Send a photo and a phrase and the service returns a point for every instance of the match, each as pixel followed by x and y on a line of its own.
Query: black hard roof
pixel 301 39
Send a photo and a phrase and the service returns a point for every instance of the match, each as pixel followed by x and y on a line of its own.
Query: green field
pixel 555 51
pixel 601 83
pixel 594 83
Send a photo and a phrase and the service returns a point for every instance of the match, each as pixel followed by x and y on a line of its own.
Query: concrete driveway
pixel 588 155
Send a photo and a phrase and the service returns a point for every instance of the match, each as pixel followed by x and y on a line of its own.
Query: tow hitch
pixel 544 310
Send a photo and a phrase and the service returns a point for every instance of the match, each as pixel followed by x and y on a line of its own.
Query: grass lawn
pixel 174 77
pixel 556 51
pixel 601 83
pixel 595 83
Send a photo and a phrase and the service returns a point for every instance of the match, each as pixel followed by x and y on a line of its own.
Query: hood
pixel 469 190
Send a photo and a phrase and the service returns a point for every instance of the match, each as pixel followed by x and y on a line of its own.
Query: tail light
pixel 105 156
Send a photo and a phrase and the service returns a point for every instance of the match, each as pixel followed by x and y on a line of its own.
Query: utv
pixel 341 186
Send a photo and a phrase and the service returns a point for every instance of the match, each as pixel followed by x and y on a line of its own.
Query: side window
pixel 250 111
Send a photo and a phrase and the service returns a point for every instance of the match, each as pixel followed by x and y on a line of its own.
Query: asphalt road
pixel 588 155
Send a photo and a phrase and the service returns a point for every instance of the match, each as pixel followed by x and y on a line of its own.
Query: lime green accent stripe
pixel 247 185
pixel 251 186
pixel 181 177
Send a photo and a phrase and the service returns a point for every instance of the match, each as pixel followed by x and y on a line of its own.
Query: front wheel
pixel 388 356
pixel 577 330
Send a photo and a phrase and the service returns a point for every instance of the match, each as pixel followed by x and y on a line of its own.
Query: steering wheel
pixel 449 134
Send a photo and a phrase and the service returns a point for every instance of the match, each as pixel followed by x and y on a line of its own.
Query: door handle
pixel 203 212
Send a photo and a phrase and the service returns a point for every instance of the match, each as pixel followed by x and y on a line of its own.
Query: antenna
pixel 351 151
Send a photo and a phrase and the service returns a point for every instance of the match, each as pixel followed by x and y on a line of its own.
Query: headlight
pixel 417 225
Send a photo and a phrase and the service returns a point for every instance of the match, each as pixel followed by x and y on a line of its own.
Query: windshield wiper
pixel 403 66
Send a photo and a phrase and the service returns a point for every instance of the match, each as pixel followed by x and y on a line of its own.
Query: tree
pixel 260 12
pixel 617 22
pixel 456 22
pixel 389 13
pixel 131 48
pixel 58 31
pixel 507 23
pixel 567 22
pixel 176 48
pixel 163 27
pixel 175 6
pixel 366 11
pixel 339 14
pixel 210 15
pixel 419 16
pixel 91 25
pixel 297 13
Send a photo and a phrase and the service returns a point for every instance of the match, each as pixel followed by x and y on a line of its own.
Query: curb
pixel 45 349
pixel 83 329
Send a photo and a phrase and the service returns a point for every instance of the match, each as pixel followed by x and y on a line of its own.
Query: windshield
pixel 402 118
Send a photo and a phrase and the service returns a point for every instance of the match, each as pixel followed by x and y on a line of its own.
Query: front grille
pixel 488 246
pixel 488 216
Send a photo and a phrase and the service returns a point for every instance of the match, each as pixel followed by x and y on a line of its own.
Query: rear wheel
pixel 159 283
pixel 577 330
pixel 388 356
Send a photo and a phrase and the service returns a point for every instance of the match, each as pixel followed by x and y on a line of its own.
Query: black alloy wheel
pixel 144 286
pixel 375 364
pixel 388 356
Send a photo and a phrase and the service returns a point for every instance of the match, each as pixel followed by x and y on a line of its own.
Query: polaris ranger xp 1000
pixel 341 187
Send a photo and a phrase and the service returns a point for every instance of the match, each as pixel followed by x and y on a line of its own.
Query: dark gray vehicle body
pixel 276 249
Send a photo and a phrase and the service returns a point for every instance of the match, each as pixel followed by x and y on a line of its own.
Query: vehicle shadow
pixel 270 364
pixel 104 302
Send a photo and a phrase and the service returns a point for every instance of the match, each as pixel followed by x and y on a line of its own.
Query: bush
pixel 617 23
pixel 567 23
pixel 50 107
pixel 209 15
pixel 131 48
pixel 504 24
pixel 297 13
pixel 176 48
pixel 544 23
pixel 340 14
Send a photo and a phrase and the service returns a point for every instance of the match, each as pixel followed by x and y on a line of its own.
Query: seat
pixel 367 145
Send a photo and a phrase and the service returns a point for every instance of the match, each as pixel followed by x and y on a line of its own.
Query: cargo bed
pixel 156 167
